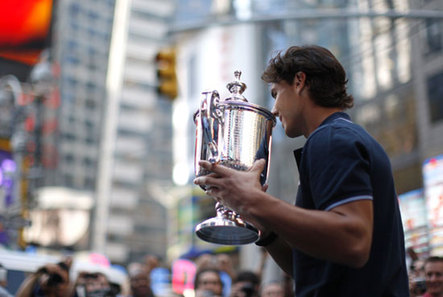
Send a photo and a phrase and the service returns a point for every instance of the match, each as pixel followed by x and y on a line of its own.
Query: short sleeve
pixel 338 167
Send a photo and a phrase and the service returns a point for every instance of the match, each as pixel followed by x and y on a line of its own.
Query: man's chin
pixel 434 290
pixel 291 134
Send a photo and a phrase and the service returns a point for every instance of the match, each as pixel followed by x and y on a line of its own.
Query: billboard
pixel 433 189
pixel 414 218
pixel 7 177
pixel 25 27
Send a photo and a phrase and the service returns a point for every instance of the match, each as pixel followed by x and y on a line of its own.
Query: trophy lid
pixel 236 88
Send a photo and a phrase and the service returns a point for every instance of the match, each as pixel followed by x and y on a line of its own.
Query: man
pixel 434 277
pixel 208 283
pixel 51 280
pixel 140 280
pixel 272 289
pixel 246 284
pixel 344 236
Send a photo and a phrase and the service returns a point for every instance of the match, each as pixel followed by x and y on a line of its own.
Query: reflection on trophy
pixel 233 133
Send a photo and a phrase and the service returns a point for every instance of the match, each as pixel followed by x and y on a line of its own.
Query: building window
pixel 435 97
pixel 434 36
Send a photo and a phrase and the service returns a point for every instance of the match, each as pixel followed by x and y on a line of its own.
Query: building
pixel 114 131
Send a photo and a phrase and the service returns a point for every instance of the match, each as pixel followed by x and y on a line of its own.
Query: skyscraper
pixel 114 130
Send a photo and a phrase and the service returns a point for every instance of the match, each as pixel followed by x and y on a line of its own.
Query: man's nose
pixel 274 111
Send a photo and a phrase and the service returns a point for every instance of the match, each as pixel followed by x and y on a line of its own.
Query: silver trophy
pixel 233 133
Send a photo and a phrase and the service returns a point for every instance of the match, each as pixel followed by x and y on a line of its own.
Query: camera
pixel 248 290
pixel 419 286
pixel 54 279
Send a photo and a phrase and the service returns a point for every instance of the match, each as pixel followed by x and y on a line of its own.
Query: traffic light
pixel 167 78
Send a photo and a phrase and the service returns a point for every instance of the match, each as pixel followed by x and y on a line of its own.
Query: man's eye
pixel 274 94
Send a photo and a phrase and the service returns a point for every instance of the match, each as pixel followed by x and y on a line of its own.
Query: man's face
pixel 210 281
pixel 272 290
pixel 140 284
pixel 288 107
pixel 434 277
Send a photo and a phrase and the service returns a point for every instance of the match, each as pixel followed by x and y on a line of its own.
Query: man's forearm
pixel 282 254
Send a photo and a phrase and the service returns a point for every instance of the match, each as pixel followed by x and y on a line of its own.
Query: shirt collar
pixel 329 119
pixel 335 116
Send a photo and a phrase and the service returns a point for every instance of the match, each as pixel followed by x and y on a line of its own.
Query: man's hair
pixel 204 270
pixel 248 276
pixel 325 76
pixel 433 259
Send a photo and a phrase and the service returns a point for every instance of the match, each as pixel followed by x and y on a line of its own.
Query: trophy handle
pixel 211 117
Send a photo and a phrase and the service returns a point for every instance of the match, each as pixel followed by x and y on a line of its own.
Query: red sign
pixel 183 273
pixel 24 29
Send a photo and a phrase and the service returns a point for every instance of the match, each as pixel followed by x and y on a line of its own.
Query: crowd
pixel 215 276
pixel 426 277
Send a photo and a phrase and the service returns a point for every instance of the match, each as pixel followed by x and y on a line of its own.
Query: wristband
pixel 267 240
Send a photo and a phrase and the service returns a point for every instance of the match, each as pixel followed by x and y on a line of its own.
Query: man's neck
pixel 317 115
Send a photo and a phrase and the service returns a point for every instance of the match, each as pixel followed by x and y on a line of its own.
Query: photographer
pixel 92 284
pixel 51 280
pixel 246 284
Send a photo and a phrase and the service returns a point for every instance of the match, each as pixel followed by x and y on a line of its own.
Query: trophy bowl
pixel 233 133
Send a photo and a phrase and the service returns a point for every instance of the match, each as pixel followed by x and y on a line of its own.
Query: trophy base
pixel 223 231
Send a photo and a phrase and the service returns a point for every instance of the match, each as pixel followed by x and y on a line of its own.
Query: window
pixel 435 97
pixel 434 35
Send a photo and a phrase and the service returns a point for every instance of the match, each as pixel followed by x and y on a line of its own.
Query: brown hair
pixel 325 76
pixel 433 259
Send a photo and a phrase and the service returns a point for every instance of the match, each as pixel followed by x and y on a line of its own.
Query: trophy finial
pixel 236 88
pixel 237 74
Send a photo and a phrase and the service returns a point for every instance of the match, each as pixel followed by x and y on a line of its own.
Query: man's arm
pixel 281 252
pixel 342 235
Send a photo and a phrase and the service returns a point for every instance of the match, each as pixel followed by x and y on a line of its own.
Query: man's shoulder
pixel 336 132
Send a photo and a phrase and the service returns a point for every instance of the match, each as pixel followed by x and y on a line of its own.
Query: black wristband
pixel 267 240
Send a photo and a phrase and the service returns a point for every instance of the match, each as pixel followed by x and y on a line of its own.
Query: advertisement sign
pixel 7 175
pixel 183 273
pixel 433 185
pixel 25 30
pixel 414 218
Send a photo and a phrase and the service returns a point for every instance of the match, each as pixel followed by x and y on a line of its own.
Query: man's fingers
pixel 258 165
pixel 214 167
pixel 206 180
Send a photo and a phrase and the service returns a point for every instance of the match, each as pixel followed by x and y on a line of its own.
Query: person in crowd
pixel 205 260
pixel 246 284
pixel 434 276
pixel 51 280
pixel 224 263
pixel 151 262
pixel 334 240
pixel 221 262
pixel 4 282
pixel 92 284
pixel 417 280
pixel 139 280
pixel 208 283
pixel 272 289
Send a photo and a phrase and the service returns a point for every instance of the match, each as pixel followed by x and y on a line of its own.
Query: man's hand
pixel 233 188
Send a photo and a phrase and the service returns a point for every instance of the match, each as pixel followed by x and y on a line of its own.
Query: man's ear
pixel 300 80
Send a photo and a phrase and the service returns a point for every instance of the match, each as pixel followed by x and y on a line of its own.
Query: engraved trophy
pixel 233 133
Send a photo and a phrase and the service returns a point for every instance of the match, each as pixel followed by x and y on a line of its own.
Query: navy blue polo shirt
pixel 341 163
